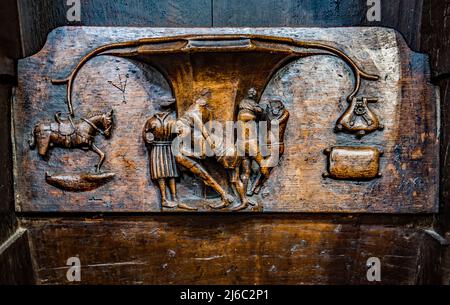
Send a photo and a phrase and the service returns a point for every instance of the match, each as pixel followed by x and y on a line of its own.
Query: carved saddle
pixel 62 127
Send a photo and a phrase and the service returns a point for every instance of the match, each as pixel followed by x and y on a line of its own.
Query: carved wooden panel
pixel 238 249
pixel 350 117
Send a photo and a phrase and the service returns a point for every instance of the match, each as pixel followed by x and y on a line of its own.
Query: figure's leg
pixel 100 153
pixel 240 189
pixel 199 171
pixel 265 171
pixel 173 192
pixel 259 181
pixel 162 188
pixel 262 176
pixel 173 189
pixel 246 172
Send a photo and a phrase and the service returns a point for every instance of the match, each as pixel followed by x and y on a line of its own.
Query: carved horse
pixel 69 134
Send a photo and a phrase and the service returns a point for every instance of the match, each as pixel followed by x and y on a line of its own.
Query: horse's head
pixel 107 123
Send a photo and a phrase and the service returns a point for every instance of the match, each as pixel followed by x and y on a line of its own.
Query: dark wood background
pixel 278 248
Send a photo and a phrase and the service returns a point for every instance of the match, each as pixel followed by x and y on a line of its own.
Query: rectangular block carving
pixel 353 163
pixel 220 119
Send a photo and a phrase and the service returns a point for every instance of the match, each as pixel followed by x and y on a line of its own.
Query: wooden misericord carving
pixel 226 120
pixel 70 134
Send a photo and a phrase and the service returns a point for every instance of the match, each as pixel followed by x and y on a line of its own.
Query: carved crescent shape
pixel 78 182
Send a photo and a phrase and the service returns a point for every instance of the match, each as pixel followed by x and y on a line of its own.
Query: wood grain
pixel 402 15
pixel 38 18
pixel 435 40
pixel 9 49
pixel 10 43
pixel 311 89
pixel 15 260
pixel 435 36
pixel 8 221
pixel 445 266
pixel 444 154
pixel 207 249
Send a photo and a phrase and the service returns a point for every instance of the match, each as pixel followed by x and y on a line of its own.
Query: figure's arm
pixel 246 116
pixel 197 121
pixel 198 124
pixel 173 127
pixel 284 117
pixel 281 122
pixel 147 135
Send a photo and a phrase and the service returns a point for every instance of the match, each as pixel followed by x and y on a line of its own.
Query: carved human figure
pixel 193 118
pixel 278 116
pixel 247 147
pixel 158 134
pixel 237 158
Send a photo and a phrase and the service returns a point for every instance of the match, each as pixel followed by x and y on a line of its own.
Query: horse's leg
pixel 32 140
pixel 101 155
pixel 43 142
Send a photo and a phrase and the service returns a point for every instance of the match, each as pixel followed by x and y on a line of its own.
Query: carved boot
pixel 242 206
pixel 168 204
pixel 185 206
pixel 227 199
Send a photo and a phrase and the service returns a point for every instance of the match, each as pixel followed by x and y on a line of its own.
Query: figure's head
pixel 276 106
pixel 167 103
pixel 206 93
pixel 251 93
pixel 203 102
pixel 107 122
pixel 251 105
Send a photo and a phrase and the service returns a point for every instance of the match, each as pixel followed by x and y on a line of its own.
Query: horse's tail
pixel 32 140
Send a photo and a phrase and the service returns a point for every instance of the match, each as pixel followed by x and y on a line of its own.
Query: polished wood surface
pixel 230 249
pixel 421 25
pixel 314 90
